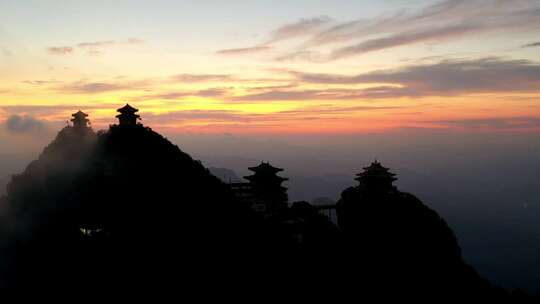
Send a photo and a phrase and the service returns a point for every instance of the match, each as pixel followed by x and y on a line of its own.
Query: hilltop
pixel 126 206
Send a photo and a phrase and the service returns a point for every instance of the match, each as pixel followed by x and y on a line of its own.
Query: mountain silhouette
pixel 101 203
pixel 392 234
pixel 125 206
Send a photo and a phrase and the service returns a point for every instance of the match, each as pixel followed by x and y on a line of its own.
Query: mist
pixel 485 184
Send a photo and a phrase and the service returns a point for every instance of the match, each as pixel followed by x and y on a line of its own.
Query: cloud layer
pixel 202 77
pixel 92 47
pixel 60 50
pixel 447 77
pixel 444 21
pixel 534 44
pixel 303 27
pixel 494 123
pixel 244 51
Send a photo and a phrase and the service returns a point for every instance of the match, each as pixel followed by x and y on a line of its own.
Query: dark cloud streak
pixel 534 44
pixel 93 87
pixel 244 51
pixel 446 20
pixel 400 39
pixel 96 87
pixel 447 77
pixel 302 27
pixel 210 92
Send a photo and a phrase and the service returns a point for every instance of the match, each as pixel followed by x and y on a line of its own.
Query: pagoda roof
pixel 79 114
pixel 127 109
pixel 79 119
pixel 376 165
pixel 128 115
pixel 265 167
pixel 376 169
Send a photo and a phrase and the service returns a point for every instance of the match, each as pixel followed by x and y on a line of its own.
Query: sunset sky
pixel 446 93
pixel 273 67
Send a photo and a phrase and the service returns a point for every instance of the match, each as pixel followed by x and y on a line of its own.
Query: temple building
pixel 373 194
pixel 79 120
pixel 127 116
pixel 376 177
pixel 266 191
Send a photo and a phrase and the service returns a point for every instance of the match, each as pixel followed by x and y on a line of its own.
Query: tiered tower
pixel 376 177
pixel 127 116
pixel 266 187
pixel 79 120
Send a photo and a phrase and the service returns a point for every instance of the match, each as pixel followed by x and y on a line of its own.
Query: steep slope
pixel 402 242
pixel 123 201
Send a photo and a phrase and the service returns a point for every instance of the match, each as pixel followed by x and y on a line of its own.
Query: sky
pixel 446 93
pixel 261 67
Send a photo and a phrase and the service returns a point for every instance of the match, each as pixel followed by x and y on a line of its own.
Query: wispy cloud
pixel 93 47
pixel 307 95
pixel 392 23
pixel 447 21
pixel 201 77
pixel 212 92
pixel 175 95
pixel 39 82
pixel 46 110
pixel 95 87
pixel 302 27
pixel 271 87
pixel 400 39
pixel 440 78
pixel 96 44
pixel 60 50
pixel 448 77
pixel 244 51
pixel 534 44
pixel 443 78
pixel 302 55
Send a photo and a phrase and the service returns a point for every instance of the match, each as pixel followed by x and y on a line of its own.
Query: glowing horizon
pixel 332 67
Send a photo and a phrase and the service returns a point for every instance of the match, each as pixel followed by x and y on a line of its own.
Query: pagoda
pixel 376 177
pixel 79 120
pixel 127 116
pixel 266 187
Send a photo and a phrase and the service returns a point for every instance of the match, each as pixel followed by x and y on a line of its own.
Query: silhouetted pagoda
pixel 376 177
pixel 127 116
pixel 266 188
pixel 80 129
pixel 79 120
